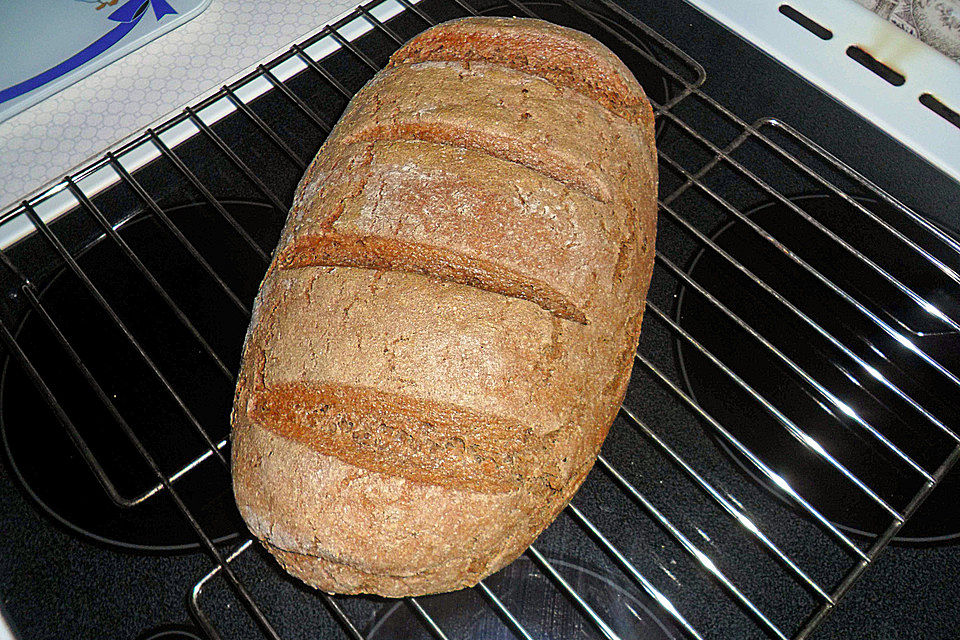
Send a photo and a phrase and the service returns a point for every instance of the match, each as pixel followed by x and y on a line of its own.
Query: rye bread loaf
pixel 447 328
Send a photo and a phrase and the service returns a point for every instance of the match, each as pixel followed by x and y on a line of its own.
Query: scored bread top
pixel 504 198
pixel 452 309
pixel 501 111
pixel 509 173
pixel 463 216
pixel 442 383
pixel 473 172
pixel 563 57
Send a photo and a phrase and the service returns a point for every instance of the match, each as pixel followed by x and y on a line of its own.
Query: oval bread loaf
pixel 448 325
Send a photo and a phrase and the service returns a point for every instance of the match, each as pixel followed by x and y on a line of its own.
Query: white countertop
pixel 46 141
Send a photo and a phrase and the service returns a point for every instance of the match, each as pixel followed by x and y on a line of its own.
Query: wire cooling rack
pixel 686 512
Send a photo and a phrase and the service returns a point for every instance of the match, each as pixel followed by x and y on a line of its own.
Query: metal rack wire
pixel 692 198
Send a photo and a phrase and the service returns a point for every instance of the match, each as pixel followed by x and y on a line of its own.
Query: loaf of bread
pixel 448 326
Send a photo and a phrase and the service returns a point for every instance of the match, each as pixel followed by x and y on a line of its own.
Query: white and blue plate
pixel 47 45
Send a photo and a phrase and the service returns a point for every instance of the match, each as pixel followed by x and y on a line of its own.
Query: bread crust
pixel 447 328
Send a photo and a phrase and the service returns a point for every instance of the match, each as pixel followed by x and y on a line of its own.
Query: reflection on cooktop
pixel 172 389
pixel 838 401
pixel 543 611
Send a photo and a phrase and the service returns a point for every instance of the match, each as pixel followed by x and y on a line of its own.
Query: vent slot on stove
pixel 942 110
pixel 806 22
pixel 865 59
pixel 666 526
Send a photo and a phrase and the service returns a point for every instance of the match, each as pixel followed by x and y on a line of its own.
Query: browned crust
pixel 371 252
pixel 439 443
pixel 458 215
pixel 407 362
pixel 499 146
pixel 398 528
pixel 388 555
pixel 505 113
pixel 338 577
pixel 509 115
pixel 410 335
pixel 561 56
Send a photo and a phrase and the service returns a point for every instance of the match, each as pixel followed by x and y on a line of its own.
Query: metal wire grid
pixel 684 77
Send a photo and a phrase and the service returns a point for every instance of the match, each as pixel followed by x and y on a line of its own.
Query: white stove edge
pixel 55 199
pixel 895 109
